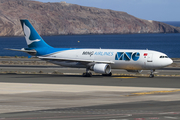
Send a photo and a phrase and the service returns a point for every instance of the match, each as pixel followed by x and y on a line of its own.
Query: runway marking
pixel 154 118
pixel 68 117
pixel 170 117
pixel 153 92
pixel 15 88
pixel 125 77
pixel 170 113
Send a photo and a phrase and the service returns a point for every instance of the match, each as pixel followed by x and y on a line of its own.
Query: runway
pixel 158 82
pixel 73 97
pixel 34 69
pixel 49 92
pixel 135 111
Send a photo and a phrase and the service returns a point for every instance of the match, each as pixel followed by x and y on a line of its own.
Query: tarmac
pixel 58 93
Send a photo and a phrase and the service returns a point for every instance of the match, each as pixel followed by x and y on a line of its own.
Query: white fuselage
pixel 122 58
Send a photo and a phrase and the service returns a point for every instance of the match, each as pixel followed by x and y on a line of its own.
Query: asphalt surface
pixel 159 82
pixel 148 110
pixel 73 97
pixel 145 107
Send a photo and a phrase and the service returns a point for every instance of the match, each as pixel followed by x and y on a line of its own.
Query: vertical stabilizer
pixel 33 39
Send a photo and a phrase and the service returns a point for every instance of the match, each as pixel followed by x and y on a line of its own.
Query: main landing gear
pixel 152 74
pixel 87 73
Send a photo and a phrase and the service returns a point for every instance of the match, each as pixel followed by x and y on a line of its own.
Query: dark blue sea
pixel 173 23
pixel 167 43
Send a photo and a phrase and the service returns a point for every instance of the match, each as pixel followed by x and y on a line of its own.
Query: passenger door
pixel 150 57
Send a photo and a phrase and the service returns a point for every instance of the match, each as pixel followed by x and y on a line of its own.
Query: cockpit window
pixel 163 57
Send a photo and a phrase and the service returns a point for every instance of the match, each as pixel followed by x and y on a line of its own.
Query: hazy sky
pixel 159 10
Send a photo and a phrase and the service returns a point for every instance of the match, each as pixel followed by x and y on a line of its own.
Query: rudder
pixel 33 39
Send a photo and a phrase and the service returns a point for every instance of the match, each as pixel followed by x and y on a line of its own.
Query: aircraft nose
pixel 164 62
pixel 170 61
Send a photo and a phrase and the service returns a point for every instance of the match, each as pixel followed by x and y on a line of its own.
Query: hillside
pixel 64 18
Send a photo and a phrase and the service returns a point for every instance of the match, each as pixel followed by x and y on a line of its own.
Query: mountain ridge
pixel 65 18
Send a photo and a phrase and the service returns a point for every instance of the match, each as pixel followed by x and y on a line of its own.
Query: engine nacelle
pixel 135 71
pixel 102 68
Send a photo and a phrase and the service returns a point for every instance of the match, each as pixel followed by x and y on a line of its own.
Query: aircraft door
pixel 150 57
pixel 149 61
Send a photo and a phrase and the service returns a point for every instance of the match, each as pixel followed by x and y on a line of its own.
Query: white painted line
pixel 13 88
pixel 170 117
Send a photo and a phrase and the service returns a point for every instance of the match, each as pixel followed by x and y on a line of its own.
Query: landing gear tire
pixel 151 76
pixel 87 74
pixel 110 74
pixel 84 75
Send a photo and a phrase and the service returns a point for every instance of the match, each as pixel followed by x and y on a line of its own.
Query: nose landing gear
pixel 152 73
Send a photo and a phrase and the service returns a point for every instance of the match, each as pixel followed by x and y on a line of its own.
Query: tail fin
pixel 33 39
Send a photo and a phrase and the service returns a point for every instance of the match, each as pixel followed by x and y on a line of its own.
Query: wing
pixel 76 60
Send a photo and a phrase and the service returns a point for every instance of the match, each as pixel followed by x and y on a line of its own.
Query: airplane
pixel 97 60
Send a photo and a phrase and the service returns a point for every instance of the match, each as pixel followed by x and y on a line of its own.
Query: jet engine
pixel 101 68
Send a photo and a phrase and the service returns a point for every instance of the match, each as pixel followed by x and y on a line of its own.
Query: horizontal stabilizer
pixel 22 50
pixel 76 60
